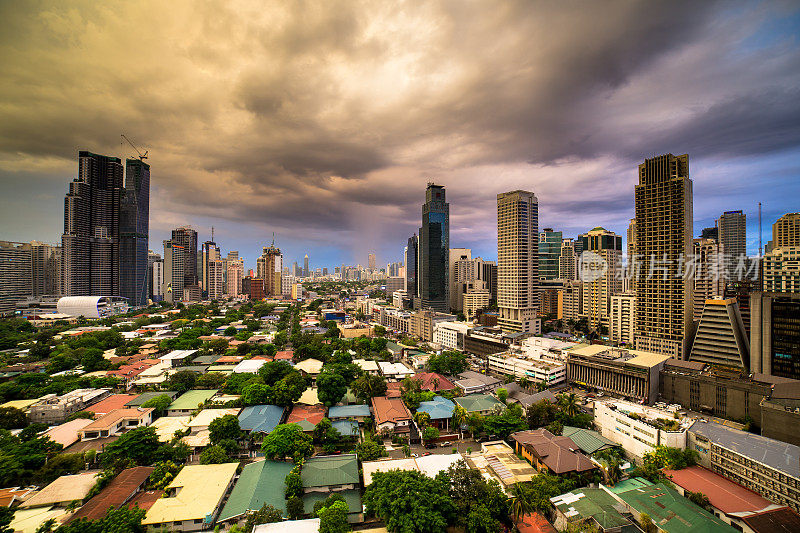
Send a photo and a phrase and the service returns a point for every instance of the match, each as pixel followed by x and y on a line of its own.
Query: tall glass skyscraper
pixel 434 250
pixel 90 242
pixel 134 231
pixel 549 253
pixel 411 256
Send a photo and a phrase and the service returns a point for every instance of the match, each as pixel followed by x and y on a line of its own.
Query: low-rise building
pixel 189 401
pixel 440 410
pixel 639 428
pixel 306 416
pixel 358 412
pixel 260 483
pixel 594 505
pixel 367 365
pixel 323 475
pixel 122 489
pixel 193 499
pixel 176 358
pixel 471 382
pixel 482 404
pixel 518 365
pixel 450 335
pixel 551 453
pixel 391 415
pixel 766 466
pixel 53 409
pixel 260 418
pixel 63 491
pixel 117 422
pixel 430 465
pixel 394 371
pixel 497 460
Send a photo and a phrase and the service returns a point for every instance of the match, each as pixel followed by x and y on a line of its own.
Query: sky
pixel 323 121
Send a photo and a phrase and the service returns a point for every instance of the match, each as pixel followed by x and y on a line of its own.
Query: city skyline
pixel 339 188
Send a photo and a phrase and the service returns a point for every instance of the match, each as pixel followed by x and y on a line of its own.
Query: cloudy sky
pixel 323 121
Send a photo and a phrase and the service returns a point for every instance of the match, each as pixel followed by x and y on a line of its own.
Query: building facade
pixel 269 267
pixel 549 253
pixel 134 233
pixel 709 273
pixel 663 242
pixel 46 260
pixel 600 284
pixel 434 250
pixel 732 236
pixel 517 260
pixel 16 279
pixel 622 318
pixel 720 338
pixel 775 334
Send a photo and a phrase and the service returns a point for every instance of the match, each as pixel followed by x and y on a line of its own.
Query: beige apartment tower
pixel 663 322
pixel 269 267
pixel 786 231
pixel 517 260
pixel 709 273
pixel 600 285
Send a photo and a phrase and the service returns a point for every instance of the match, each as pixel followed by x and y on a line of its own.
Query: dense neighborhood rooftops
pixel 725 495
pixel 389 410
pixel 773 453
pixel 144 397
pixel 178 355
pixel 347 411
pixel 306 416
pixel 330 470
pixel 260 418
pixel 259 483
pixel 248 366
pixel 596 504
pixel 190 400
pixel 197 491
pixel 474 403
pixel 367 365
pixel 438 408
pixel 115 494
pixel 65 489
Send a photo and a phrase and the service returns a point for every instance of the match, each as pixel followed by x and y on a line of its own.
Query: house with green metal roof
pixel 595 505
pixel 478 403
pixel 358 412
pixel 323 475
pixel 587 440
pixel 189 401
pixel 669 511
pixel 147 396
pixel 260 483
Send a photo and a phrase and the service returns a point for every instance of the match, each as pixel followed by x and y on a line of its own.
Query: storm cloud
pixel 322 121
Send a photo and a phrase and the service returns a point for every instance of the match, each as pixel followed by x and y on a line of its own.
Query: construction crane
pixel 142 156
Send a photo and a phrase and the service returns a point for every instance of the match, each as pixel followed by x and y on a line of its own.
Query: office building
pixel 631 261
pixel 708 265
pixel 462 270
pixel 235 276
pixel 209 251
pixel 269 267
pixel 180 263
pixel 393 284
pixel 156 278
pixel 434 250
pixel 720 338
pixel 663 243
pixel 604 248
pixel 134 233
pixel 780 270
pixel 732 236
pixel 632 374
pixel 371 261
pixel 216 285
pixel 567 260
pixel 15 275
pixel 622 318
pixel 775 334
pixel 475 299
pixel 517 260
pixel 411 252
pixel 549 253
pixel 710 233
pixel 90 243
pixel 46 269
pixel 786 231
pixel 551 295
pixel 306 272
pixel 487 276
pixel 766 466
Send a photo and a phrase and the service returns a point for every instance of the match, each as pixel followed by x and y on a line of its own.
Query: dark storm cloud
pixel 326 119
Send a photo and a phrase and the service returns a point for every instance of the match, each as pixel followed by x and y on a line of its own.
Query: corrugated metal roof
pixel 259 483
pixel 330 470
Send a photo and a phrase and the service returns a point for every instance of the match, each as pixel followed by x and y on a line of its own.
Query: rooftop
pixel 725 495
pixel 330 470
pixel 144 397
pixel 63 489
pixel 773 453
pixel 260 418
pixel 115 494
pixel 166 426
pixel 306 416
pixel 309 366
pixel 591 503
pixel 560 454
pixel 478 402
pixel 389 410
pixel 259 483
pixel 190 400
pixel 587 440
pixel 109 420
pixel 347 411
pixel 499 460
pixel 307 525
pixel 199 490
pixel 429 465
pixel 206 416
pixel 438 408
pixel 67 433
pixel 782 520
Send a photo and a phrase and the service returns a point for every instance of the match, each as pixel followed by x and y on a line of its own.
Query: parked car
pixel 446 444
pixel 430 446
pixel 426 454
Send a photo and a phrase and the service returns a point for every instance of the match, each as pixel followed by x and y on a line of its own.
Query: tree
pixel 331 388
pixel 504 424
pixel 289 389
pixel 502 394
pixel 273 371
pixel 294 508
pixel 480 520
pixel 182 381
pixel 448 363
pixel 520 503
pixel 555 427
pixel 569 404
pixel 430 433
pixel 468 490
pixel 333 497
pixel 224 428
pixel 266 515
pixel 368 386
pixel 287 440
pixel 294 483
pixel 12 418
pixel 333 518
pixel 116 520
pixel 256 394
pixel 211 380
pixel 370 450
pixel 422 418
pixel 159 405
pixel 214 455
pixel 137 445
pixel 698 498
pixel 541 413
pixel 6 517
pixel 162 475
pixel 647 523
pixel 394 497
pixel 379 331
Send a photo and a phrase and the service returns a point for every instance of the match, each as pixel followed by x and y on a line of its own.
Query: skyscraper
pixel 305 267
pixel 775 334
pixel 549 253
pixel 567 260
pixel 180 264
pixel 371 261
pixel 155 278
pixel 732 235
pixel 434 250
pixel 461 270
pixel 269 267
pixel 46 269
pixel 779 265
pixel 90 243
pixel 235 276
pixel 601 284
pixel 663 244
pixel 209 252
pixel 15 274
pixel 134 233
pixel 411 255
pixel 786 231
pixel 517 260
pixel 709 274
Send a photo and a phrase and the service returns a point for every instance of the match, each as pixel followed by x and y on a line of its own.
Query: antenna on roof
pixel 212 233
pixel 759 229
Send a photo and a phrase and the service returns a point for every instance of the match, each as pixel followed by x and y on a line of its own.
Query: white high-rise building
pixel 216 286
pixel 235 275
pixel 623 309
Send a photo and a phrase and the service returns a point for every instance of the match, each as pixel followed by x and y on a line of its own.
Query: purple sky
pixel 322 121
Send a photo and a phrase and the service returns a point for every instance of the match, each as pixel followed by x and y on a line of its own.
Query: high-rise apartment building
pixel 605 281
pixel 90 243
pixel 567 260
pixel 16 282
pixel 621 318
pixel 134 233
pixel 663 244
pixel 46 269
pixel 235 276
pixel 710 233
pixel 216 279
pixel 209 251
pixel 305 267
pixel 517 260
pixel 269 267
pixel 572 300
pixel 549 253
pixel 411 256
pixel 779 268
pixel 461 270
pixel 709 273
pixel 775 334
pixel 180 264
pixel 434 250
pixel 732 235
pixel 371 261
pixel 156 277
pixel 487 274
pixel 629 280
pixel 786 231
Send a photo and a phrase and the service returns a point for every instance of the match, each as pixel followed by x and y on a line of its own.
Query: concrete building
pixel 434 250
pixel 393 284
pixel 519 365
pixel 450 335
pixel 461 270
pixel 180 263
pixel 732 237
pixel 269 268
pixel 631 374
pixel 599 284
pixel 16 281
pixel 720 338
pixel 632 261
pixel 483 342
pixel 663 233
pixel 134 233
pixel 423 322
pixel 412 266
pixel 638 428
pixel 622 318
pixel 517 260
pixel 768 467
pixel 786 231
pixel 156 278
pixel 550 453
pixel 46 266
pixel 92 306
pixel 216 276
pixel 572 300
pixel 567 260
pixel 235 274
pixel 775 334
pixel 781 270
pixel 209 251
pixel 473 300
pixel 709 273
pixel 54 409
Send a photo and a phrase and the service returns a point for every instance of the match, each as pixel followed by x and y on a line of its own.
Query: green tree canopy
pixel 409 501
pixel 331 388
pixel 224 428
pixel 287 440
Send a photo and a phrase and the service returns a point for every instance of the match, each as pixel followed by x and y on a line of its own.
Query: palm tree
pixel 568 404
pixel 524 382
pixel 520 504
pixel 611 472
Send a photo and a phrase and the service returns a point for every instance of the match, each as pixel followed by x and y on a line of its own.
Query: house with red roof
pixel 284 355
pixel 391 415
pixel 306 416
pixel 551 453
pixel 431 381
pixel 110 403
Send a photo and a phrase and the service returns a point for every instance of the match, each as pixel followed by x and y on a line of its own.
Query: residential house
pixel 63 491
pixel 471 382
pixel 551 453
pixel 323 475
pixel 189 401
pixel 117 422
pixel 306 416
pixel 176 358
pixel 53 409
pixel 260 418
pixel 260 483
pixel 482 404
pixel 440 409
pixel 391 415
pixel 120 491
pixel 358 412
